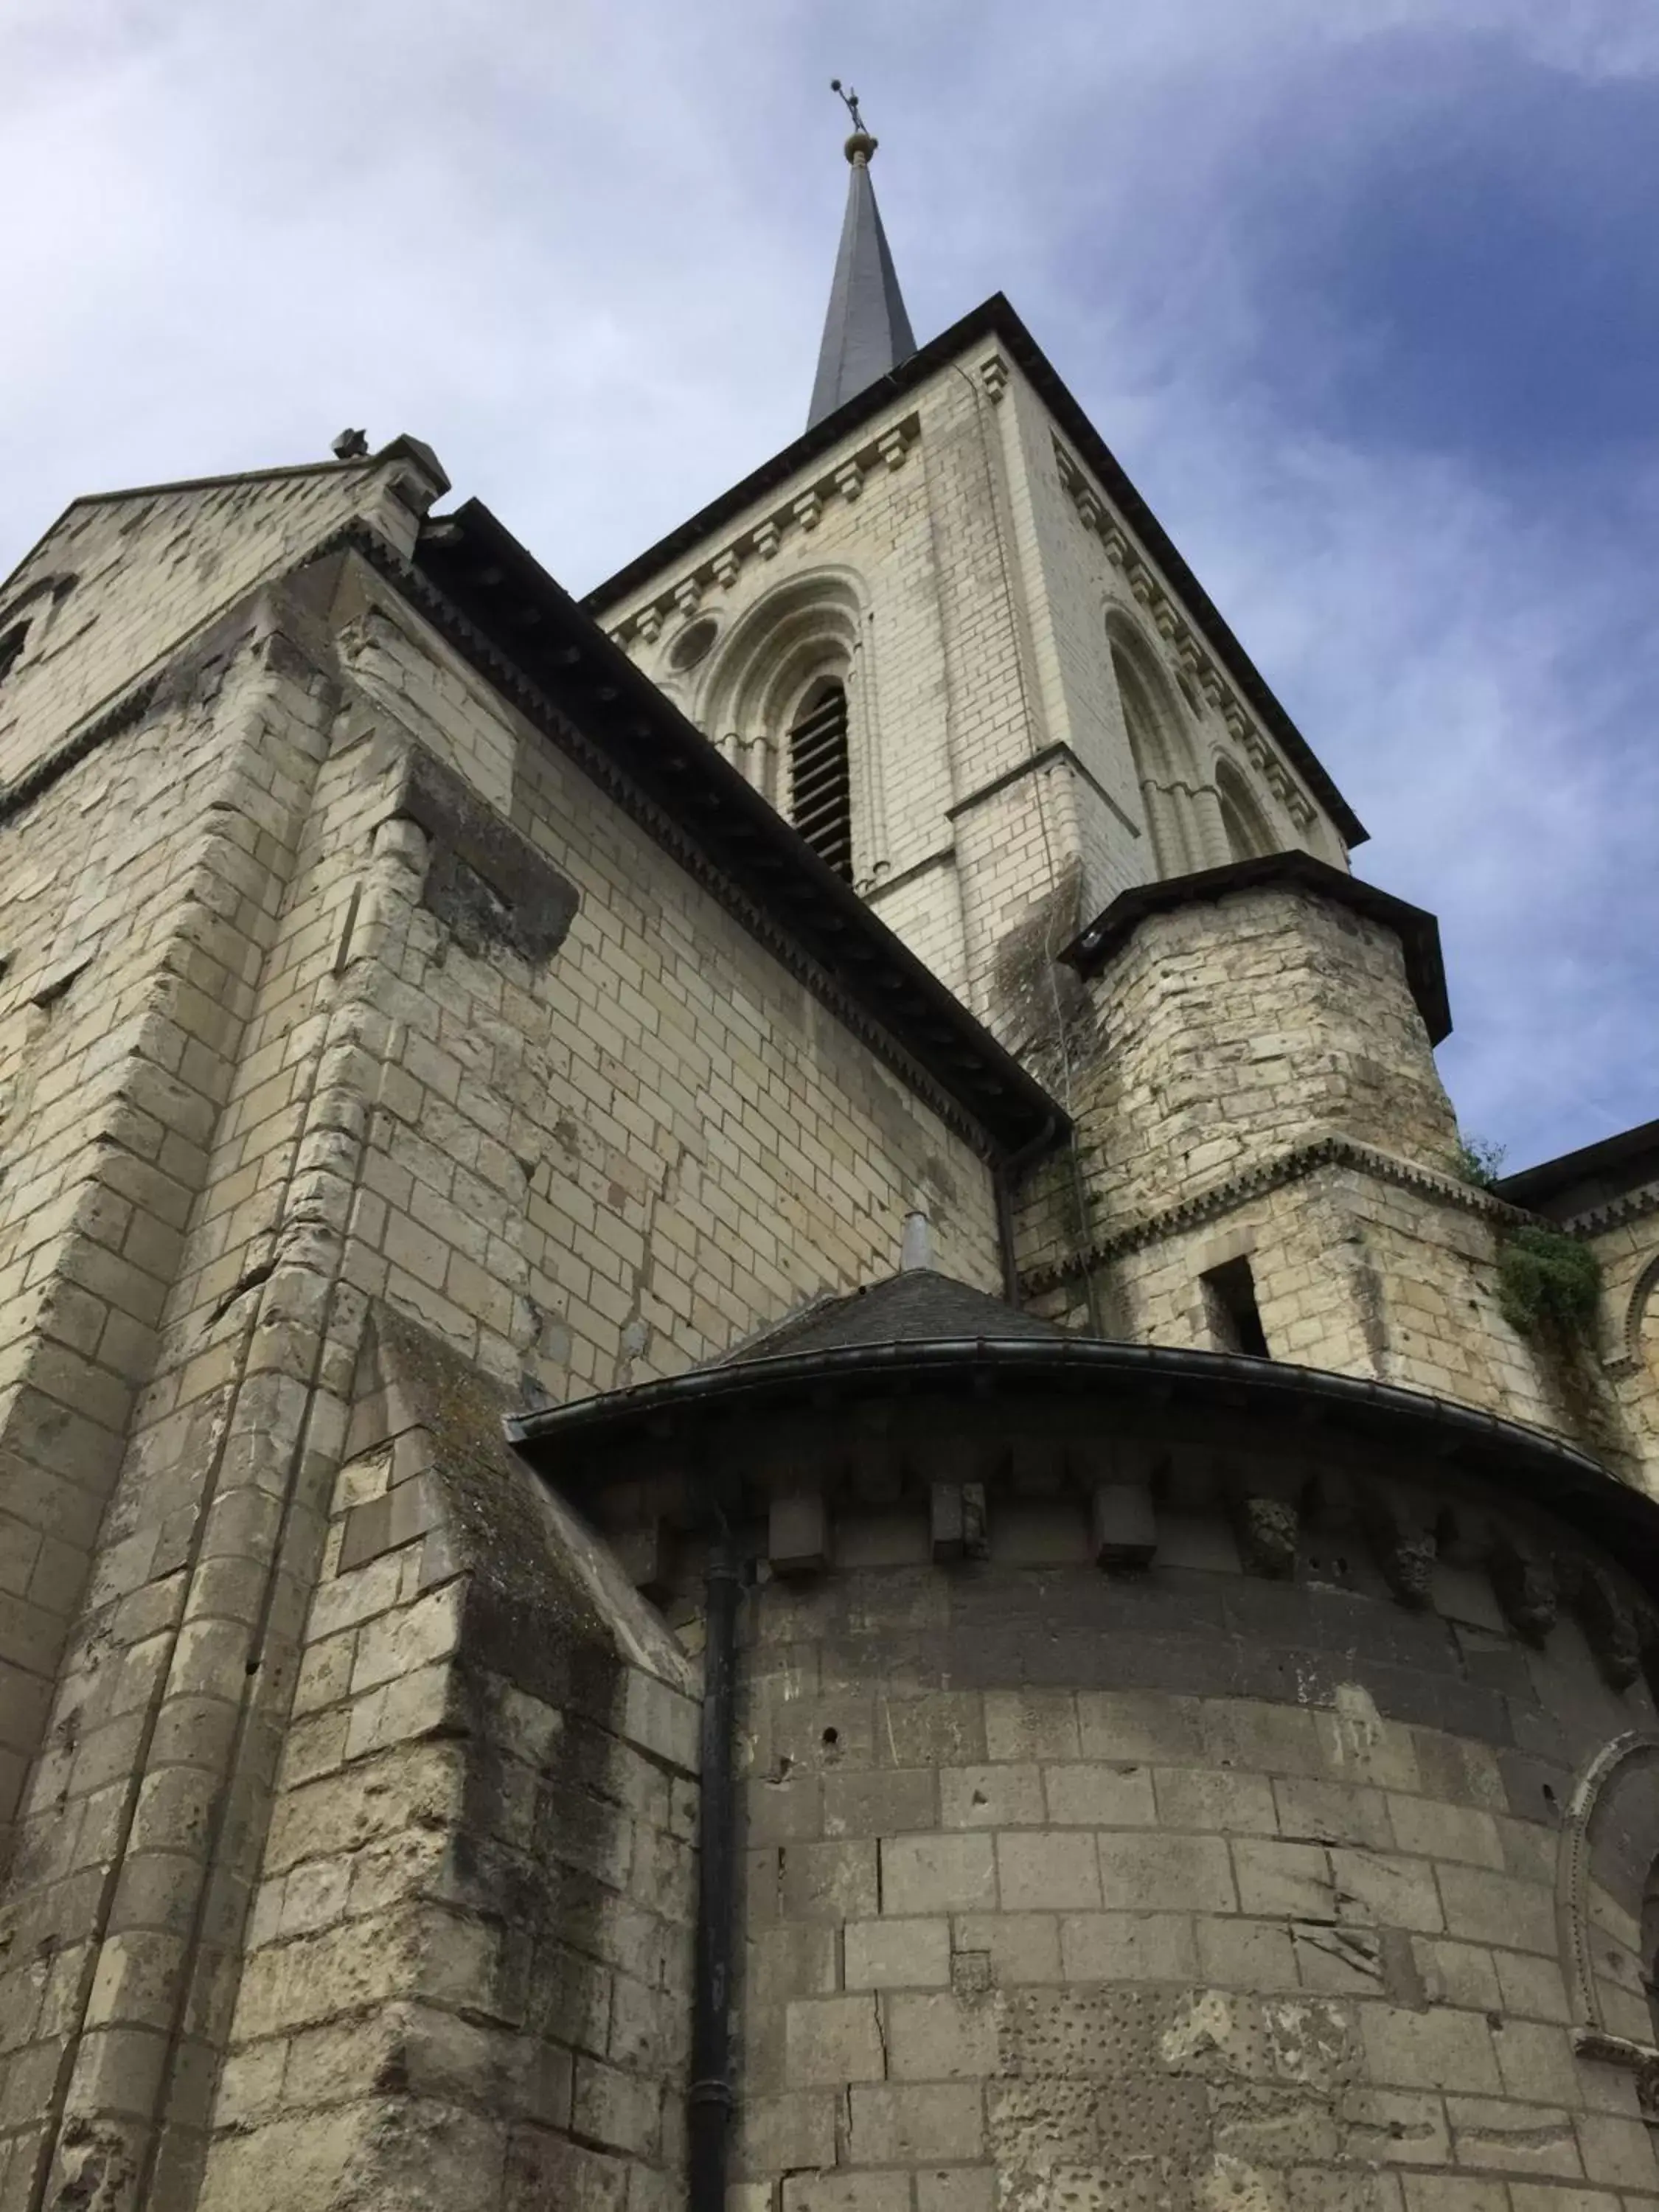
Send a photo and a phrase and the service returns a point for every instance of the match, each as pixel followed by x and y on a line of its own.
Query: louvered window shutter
pixel 820 779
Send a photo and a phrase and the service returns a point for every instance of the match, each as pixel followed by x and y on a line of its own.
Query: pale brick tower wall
pixel 982 594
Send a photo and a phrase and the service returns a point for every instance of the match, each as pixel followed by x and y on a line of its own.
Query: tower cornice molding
pixel 798 514
pixel 1095 513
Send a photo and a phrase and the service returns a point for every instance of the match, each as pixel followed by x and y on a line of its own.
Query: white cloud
pixel 584 249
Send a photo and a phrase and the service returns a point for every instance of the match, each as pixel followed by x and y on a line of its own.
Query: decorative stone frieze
pixel 804 511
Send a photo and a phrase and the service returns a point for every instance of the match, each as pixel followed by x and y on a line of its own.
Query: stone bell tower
pixel 943 633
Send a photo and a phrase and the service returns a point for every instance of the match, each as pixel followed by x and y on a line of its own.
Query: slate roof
pixel 918 1306
pixel 866 332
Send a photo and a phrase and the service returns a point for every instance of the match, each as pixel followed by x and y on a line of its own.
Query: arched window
pixel 820 774
pixel 1249 834
pixel 1162 755
pixel 786 695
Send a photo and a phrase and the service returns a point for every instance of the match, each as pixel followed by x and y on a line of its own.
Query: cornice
pixel 1095 513
pixel 1596 1220
pixel 1287 1167
pixel 716 572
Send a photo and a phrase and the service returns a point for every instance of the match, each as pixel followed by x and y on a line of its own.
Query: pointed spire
pixel 866 331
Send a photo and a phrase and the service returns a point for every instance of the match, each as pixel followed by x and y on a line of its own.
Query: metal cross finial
pixel 850 101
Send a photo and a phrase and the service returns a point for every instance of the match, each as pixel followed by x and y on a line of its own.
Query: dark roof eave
pixel 1631 1153
pixel 485 590
pixel 1418 931
pixel 997 316
pixel 1564 1476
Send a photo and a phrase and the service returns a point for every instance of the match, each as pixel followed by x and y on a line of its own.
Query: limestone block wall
pixel 470 1947
pixel 1625 1237
pixel 1096 585
pixel 141 893
pixel 1357 1272
pixel 1253 1083
pixel 952 562
pixel 117 581
pixel 1226 1031
pixel 474 1051
pixel 1182 1890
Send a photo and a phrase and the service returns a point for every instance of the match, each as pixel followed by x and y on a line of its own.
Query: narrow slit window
pixel 820 777
pixel 11 648
pixel 1235 1318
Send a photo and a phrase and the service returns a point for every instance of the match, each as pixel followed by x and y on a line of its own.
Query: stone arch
pixel 805 632
pixel 1610 1843
pixel 1627 1347
pixel 1161 752
pixel 1245 821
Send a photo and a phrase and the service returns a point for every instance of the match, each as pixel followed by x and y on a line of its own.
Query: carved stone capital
pixel 1402 1540
pixel 1608 1623
pixel 1268 1530
pixel 1525 1587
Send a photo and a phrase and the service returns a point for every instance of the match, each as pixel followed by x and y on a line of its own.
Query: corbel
pixel 798 1531
pixel 956 1520
pixel 1266 1510
pixel 1122 1525
pixel 726 565
pixel 767 541
pixel 646 1555
pixel 1608 1622
pixel 807 510
pixel 892 445
pixel 1402 1540
pixel 1524 1584
pixel 849 479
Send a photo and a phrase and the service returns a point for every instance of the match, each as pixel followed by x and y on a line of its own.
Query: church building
pixel 762 1446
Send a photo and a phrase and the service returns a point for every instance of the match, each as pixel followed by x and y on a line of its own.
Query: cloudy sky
pixel 1362 292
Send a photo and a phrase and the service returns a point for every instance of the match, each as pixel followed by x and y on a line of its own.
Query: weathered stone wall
pixel 1625 1240
pixel 119 580
pixel 470 1950
pixel 1095 583
pixel 942 558
pixel 1225 1032
pixel 1253 1081
pixel 407 1014
pixel 1181 1890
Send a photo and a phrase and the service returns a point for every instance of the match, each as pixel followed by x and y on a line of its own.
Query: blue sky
pixel 1362 293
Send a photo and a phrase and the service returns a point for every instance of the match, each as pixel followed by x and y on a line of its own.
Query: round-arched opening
pixel 1162 758
pixel 1248 833
pixel 693 643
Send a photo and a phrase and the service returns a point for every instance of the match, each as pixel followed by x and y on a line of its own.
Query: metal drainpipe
pixel 710 2117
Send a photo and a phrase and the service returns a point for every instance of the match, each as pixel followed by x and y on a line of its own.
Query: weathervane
pixel 850 101
pixel 860 146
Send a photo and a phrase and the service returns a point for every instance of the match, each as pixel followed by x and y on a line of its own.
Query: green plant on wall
pixel 1478 1160
pixel 1548 1284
